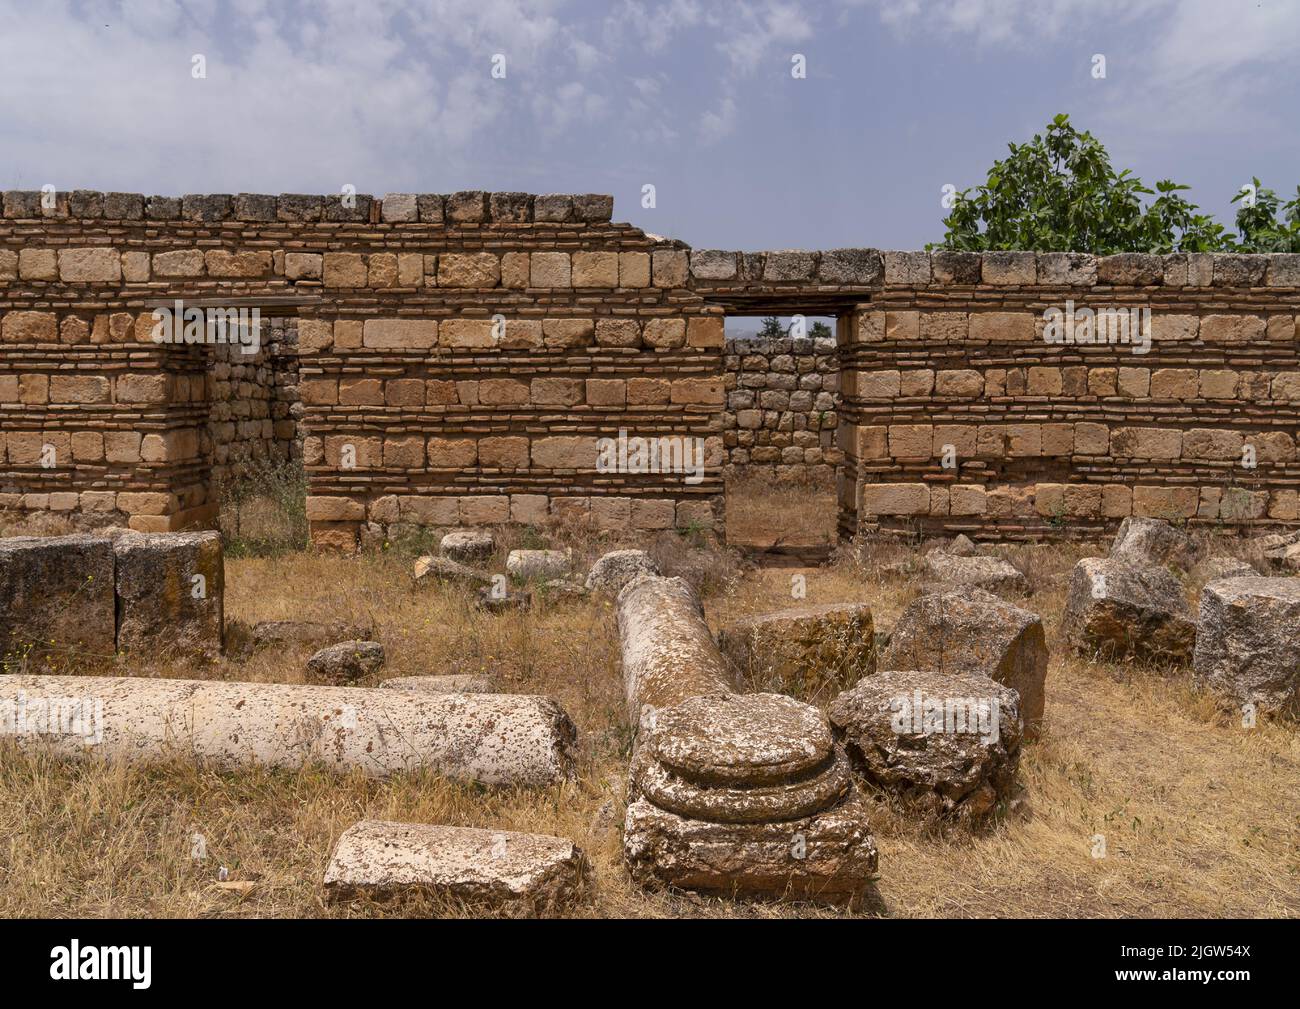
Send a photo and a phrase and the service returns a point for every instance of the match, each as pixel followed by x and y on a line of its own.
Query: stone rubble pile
pixel 971 630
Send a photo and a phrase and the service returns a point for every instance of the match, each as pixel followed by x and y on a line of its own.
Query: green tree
pixel 1059 192
pixel 820 331
pixel 771 329
pixel 1261 231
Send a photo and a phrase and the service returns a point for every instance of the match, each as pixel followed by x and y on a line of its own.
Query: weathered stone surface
pixel 974 631
pixel 491 599
pixel 786 799
pixel 857 267
pixel 668 653
pixel 1122 611
pixel 747 739
pixel 948 743
pixel 1221 566
pixel 533 564
pixel 454 683
pixel 56 601
pixel 991 573
pixel 170 591
pixel 829 856
pixel 243 639
pixel 468 545
pixel 961 546
pixel 494 739
pixel 495 870
pixel 1246 642
pixel 444 569
pixel 804 650
pixel 346 661
pixel 1147 541
pixel 618 567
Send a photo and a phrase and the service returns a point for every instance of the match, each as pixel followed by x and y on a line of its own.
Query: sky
pixel 697 99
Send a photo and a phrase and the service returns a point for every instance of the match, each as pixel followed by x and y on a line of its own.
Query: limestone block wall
pixel 254 413
pixel 458 358
pixel 782 403
pixel 959 414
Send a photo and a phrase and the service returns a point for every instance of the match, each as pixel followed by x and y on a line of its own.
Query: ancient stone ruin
pixel 475 360
pixel 480 358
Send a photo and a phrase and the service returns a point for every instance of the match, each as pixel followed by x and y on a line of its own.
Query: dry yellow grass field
pixel 1200 816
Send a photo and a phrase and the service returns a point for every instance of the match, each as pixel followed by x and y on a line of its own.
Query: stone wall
pixel 782 402
pixel 961 415
pixel 253 420
pixel 459 359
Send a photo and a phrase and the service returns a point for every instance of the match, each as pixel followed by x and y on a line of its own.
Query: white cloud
pixel 720 121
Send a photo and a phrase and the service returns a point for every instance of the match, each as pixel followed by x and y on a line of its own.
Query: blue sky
pixel 694 98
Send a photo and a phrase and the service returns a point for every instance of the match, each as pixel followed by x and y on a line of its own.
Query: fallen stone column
pixel 494 739
pixel 668 652
pixel 499 870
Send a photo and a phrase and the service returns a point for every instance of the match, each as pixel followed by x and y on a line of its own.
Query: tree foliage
pixel 1060 193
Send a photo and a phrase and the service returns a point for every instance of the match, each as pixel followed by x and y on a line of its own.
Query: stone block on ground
pixel 1120 611
pixel 430 569
pixel 539 564
pixel 972 630
pixel 1147 541
pixel 990 573
pixel 57 605
pixel 947 743
pixel 1219 566
pixel 494 870
pixel 490 600
pixel 346 662
pixel 613 570
pixel 468 546
pixel 243 639
pixel 1246 643
pixel 805 650
pixel 829 856
pixel 170 589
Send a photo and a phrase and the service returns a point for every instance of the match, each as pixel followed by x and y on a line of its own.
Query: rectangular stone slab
pixel 56 601
pixel 493 739
pixel 169 593
pixel 494 869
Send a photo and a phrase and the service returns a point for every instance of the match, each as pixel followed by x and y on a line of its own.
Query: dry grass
pixel 1199 815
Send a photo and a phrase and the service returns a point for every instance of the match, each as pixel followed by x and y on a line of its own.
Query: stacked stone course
pixel 782 407
pixel 459 356
pixel 950 356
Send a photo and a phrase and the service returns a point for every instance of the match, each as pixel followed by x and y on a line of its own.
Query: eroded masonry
pixel 457 360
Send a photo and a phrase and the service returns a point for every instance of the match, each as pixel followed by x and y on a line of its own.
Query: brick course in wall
pixel 458 357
